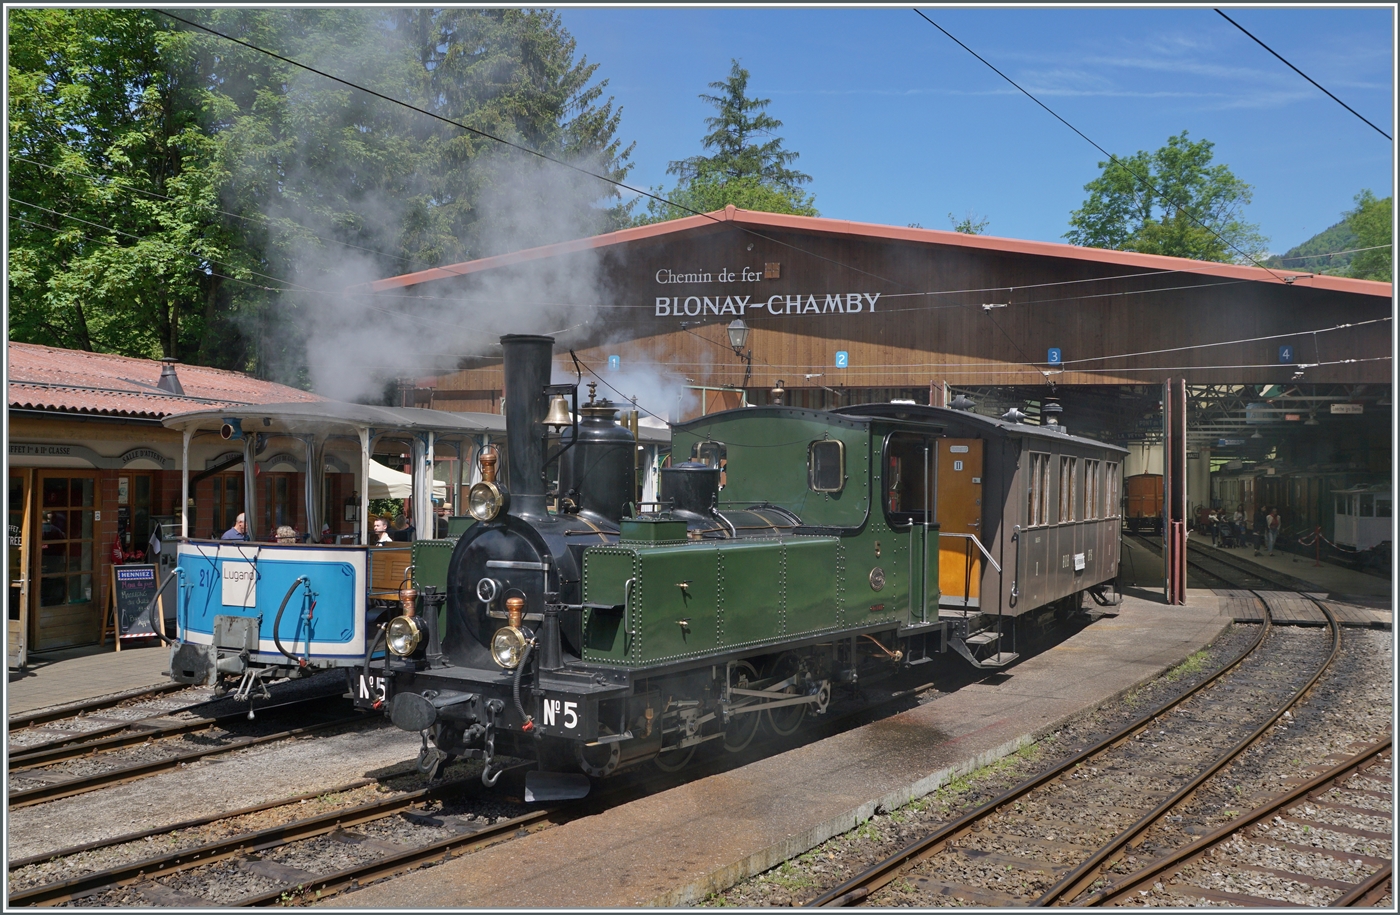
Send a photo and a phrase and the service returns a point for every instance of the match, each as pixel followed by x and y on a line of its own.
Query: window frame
pixel 1038 490
pixel 1112 503
pixel 1069 469
pixel 840 464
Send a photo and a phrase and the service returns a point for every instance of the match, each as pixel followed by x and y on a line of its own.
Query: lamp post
pixel 739 335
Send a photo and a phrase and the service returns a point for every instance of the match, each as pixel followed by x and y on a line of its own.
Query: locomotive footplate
pixel 561 703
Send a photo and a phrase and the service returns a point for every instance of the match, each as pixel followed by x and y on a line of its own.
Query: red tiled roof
pixel 49 378
pixel 819 225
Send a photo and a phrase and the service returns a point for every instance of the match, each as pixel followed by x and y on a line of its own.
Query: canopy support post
pixel 364 485
pixel 185 485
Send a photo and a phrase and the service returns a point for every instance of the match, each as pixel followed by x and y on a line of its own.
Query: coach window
pixel 1368 506
pixel 1111 490
pixel 826 466
pixel 1091 491
pixel 1038 491
pixel 1067 470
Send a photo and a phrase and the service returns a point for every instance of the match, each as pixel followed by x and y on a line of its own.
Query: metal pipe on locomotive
pixel 599 635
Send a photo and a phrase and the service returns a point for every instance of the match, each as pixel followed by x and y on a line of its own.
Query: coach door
pixel 959 470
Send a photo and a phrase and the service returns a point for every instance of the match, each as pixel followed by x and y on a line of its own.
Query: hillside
pixel 1303 257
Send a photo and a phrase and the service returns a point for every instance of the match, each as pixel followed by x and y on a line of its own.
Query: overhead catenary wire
pixel 522 148
pixel 1301 73
pixel 1116 161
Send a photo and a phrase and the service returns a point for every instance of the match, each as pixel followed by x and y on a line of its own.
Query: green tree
pixel 743 169
pixel 1371 221
pixel 971 224
pixel 114 185
pixel 1185 207
pixel 224 192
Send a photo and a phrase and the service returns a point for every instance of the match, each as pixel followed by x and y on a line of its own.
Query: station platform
pixel 1339 583
pixel 59 678
pixel 678 846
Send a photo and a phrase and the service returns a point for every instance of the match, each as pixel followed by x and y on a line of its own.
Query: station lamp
pixel 738 334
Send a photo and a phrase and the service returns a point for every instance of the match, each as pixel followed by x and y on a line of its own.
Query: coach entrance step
pixel 967 648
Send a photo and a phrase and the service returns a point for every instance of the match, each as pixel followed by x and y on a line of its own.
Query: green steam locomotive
pixel 795 552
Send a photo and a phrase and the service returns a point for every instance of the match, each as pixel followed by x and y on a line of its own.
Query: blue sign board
pixel 614 362
pixel 1053 357
pixel 843 359
pixel 1229 443
pixel 1285 354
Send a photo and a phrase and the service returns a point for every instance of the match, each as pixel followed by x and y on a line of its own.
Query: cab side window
pixel 713 454
pixel 826 466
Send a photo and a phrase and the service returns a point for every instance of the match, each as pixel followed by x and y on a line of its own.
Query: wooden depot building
pixel 840 312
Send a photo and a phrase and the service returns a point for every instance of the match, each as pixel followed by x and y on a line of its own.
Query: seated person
pixel 402 528
pixel 380 534
pixel 286 534
pixel 239 531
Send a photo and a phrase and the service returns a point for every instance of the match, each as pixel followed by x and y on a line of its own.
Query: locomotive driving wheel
pixel 682 724
pixel 742 727
pixel 787 719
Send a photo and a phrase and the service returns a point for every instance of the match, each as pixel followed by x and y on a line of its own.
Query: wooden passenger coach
pixel 1027 515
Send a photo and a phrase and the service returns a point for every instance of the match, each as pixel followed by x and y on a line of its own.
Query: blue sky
pixel 897 124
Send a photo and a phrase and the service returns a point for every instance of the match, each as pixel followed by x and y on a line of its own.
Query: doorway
pixel 959 482
pixel 66 612
pixel 20 522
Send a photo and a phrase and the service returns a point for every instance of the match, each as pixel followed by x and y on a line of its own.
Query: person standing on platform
pixel 1239 524
pixel 1271 532
pixel 1213 524
pixel 1260 525
pixel 239 531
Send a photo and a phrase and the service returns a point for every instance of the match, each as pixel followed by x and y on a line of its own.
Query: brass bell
pixel 558 415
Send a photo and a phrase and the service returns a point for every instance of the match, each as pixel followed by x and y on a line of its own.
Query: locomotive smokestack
pixel 526 362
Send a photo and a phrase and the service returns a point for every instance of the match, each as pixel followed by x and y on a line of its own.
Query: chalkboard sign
pixel 134 587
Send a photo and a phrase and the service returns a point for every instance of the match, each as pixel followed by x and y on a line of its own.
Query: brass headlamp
pixel 508 644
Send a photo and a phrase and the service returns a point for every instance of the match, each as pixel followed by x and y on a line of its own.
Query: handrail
pixel 973 538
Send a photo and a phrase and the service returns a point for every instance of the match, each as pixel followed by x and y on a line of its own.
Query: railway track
pixel 1271 832
pixel 52 784
pixel 1055 836
pixel 257 855
pixel 75 709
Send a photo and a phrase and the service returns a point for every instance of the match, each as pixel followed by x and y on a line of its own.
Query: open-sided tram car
pixel 796 551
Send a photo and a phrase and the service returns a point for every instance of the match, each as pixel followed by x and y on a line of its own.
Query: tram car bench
pixel 796 552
